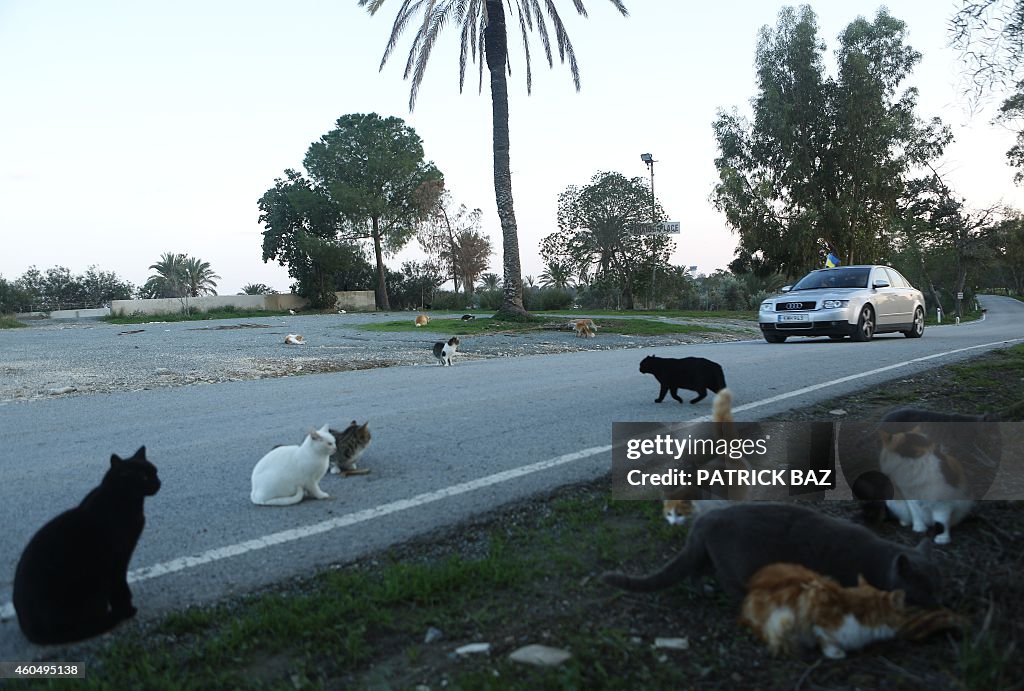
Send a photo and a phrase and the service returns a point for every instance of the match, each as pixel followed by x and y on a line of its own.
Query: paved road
pixel 449 444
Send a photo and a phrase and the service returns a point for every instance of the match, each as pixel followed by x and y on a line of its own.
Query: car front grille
pixel 794 305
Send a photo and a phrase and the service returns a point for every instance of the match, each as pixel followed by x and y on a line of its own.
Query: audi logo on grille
pixel 794 305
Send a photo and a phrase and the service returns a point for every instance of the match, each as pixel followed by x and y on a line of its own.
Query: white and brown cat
pixel 287 474
pixel 791 607
pixel 930 484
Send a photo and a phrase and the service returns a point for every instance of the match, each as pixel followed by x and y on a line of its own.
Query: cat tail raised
pixel 721 415
pixel 721 409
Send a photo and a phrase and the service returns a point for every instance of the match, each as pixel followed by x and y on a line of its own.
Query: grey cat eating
pixel 735 542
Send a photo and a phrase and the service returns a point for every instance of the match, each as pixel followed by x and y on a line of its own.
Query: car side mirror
pixel 880 283
pixel 786 289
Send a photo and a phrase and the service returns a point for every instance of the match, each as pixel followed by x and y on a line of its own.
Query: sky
pixel 130 129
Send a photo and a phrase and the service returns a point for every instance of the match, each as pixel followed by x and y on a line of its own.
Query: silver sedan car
pixel 854 301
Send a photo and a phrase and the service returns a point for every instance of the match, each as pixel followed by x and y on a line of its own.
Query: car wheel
pixel 865 325
pixel 917 330
pixel 837 338
pixel 774 338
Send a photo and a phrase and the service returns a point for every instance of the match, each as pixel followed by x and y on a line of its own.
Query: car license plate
pixel 794 317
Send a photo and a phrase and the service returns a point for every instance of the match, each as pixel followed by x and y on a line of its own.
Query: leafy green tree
pixel 61 289
pixel 598 228
pixel 418 282
pixel 484 34
pixel 949 227
pixel 823 165
pixel 100 287
pixel 30 284
pixel 1008 247
pixel 58 288
pixel 452 238
pixel 990 37
pixel 325 266
pixel 471 255
pixel 293 214
pixel 13 297
pixel 371 172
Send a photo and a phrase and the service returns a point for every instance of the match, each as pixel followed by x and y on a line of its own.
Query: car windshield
pixel 849 277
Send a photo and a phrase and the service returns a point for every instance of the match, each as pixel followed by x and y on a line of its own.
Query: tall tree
pixel 950 227
pixel 180 276
pixel 198 277
pixel 300 223
pixel 168 281
pixel 990 37
pixel 598 228
pixel 371 169
pixel 484 34
pixel 100 287
pixel 439 238
pixel 1008 240
pixel 471 256
pixel 824 162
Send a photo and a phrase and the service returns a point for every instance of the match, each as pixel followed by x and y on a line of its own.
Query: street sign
pixel 959 296
pixel 666 228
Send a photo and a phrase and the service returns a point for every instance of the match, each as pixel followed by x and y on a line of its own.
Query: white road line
pixel 869 373
pixel 182 563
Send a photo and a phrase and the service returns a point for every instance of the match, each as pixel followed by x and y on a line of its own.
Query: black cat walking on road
pixel 691 373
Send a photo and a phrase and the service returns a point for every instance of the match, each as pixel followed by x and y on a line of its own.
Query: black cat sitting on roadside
pixel 72 579
pixel 692 373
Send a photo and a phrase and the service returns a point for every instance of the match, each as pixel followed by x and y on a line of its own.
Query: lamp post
pixel 649 160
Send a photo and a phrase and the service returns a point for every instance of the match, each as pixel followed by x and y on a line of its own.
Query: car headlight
pixel 767 306
pixel 832 304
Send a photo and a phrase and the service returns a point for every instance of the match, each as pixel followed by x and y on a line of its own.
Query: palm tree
pixel 198 277
pixel 257 289
pixel 483 33
pixel 556 274
pixel 490 281
pixel 167 282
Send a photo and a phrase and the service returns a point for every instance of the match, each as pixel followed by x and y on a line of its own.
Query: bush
pixel 489 299
pixel 448 300
pixel 553 299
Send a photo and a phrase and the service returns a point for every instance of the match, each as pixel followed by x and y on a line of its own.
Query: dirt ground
pixel 612 634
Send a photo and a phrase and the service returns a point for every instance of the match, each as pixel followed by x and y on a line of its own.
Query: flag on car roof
pixel 832 260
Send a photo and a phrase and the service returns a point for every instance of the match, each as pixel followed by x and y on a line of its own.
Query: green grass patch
pixel 269 639
pixel 221 313
pixel 628 327
pixel 683 314
pixel 950 318
pixel 10 322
